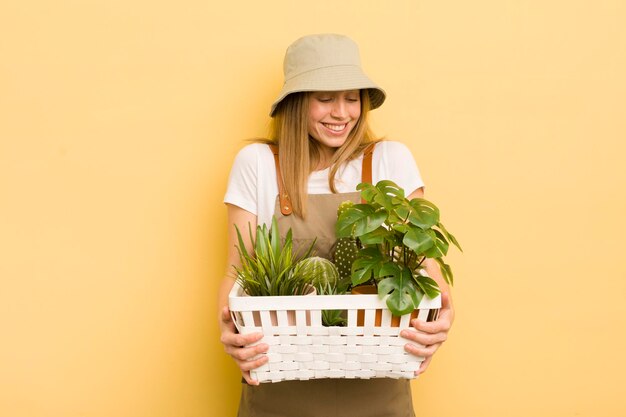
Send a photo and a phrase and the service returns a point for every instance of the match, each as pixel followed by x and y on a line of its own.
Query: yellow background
pixel 118 124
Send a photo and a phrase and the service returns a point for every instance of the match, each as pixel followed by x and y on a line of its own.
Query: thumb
pixel 446 300
pixel 226 314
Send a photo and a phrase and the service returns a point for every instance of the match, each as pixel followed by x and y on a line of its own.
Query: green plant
pixel 271 268
pixel 325 279
pixel 397 235
pixel 344 252
pixel 332 317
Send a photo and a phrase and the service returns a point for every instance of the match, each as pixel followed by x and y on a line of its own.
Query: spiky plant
pixel 271 268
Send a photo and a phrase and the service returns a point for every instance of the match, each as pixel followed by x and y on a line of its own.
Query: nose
pixel 339 110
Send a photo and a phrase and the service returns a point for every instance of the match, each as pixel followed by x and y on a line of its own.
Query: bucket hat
pixel 325 62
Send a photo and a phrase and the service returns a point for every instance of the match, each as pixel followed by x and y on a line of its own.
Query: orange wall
pixel 118 124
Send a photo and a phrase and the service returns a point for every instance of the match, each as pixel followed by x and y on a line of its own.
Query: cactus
pixel 324 277
pixel 320 272
pixel 344 206
pixel 344 254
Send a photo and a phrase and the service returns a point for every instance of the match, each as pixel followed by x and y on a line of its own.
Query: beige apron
pixel 339 397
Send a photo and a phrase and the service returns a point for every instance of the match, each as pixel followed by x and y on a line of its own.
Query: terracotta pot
pixel 378 318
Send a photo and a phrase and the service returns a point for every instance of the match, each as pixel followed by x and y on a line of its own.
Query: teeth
pixel 336 128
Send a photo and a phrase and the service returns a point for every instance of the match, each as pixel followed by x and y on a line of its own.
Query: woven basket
pixel 301 348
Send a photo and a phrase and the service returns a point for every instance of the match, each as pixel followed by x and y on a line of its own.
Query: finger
pixel 226 317
pixel 422 351
pixel 442 324
pixel 425 339
pixel 240 340
pixel 445 300
pixel 252 364
pixel 247 353
pixel 424 366
pixel 248 378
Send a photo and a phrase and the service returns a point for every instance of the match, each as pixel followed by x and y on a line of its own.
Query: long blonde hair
pixel 299 153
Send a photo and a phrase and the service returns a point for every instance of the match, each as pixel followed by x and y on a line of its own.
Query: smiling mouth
pixel 335 128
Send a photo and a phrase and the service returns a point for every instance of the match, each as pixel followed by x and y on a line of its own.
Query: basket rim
pixel 238 301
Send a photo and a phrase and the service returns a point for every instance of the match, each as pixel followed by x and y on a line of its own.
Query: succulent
pixel 271 268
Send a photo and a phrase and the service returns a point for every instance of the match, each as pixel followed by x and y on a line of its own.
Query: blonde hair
pixel 300 153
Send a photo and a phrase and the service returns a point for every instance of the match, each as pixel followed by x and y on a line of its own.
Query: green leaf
pixel 275 238
pixel 403 295
pixel 389 269
pixel 367 264
pixel 446 271
pixel 418 240
pixel 359 220
pixel 368 191
pixel 376 236
pixel 383 193
pixel 242 247
pixel 402 228
pixel 370 222
pixel 449 235
pixel 428 285
pixel 440 248
pixel 424 214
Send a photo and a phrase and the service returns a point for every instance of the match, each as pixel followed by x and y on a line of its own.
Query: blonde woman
pixel 315 157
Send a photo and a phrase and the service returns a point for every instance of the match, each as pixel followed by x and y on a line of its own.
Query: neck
pixel 325 156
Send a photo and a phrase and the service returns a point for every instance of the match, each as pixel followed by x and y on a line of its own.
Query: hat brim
pixel 335 78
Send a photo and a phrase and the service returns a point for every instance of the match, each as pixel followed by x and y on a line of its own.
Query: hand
pixel 235 345
pixel 429 336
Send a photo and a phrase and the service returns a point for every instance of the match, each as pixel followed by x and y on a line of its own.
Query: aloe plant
pixel 396 235
pixel 271 268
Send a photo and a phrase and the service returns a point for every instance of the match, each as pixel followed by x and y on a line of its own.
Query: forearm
pixel 225 286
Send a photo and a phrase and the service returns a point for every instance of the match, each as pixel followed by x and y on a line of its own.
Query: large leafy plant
pixel 396 236
pixel 271 268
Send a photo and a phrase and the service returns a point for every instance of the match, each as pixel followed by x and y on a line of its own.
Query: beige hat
pixel 326 62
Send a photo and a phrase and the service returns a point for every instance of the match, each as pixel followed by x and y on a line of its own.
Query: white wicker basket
pixel 300 347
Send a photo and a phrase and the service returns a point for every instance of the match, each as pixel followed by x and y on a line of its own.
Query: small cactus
pixel 319 272
pixel 343 207
pixel 345 252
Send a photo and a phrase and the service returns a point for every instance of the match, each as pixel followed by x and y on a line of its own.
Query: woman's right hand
pixel 235 345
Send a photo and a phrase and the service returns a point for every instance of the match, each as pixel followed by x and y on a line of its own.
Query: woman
pixel 320 134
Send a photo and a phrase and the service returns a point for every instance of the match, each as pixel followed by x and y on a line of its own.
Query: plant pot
pixel 360 315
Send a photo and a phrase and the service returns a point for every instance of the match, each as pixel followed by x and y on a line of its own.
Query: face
pixel 333 115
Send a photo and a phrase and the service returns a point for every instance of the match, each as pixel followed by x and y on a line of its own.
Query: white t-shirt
pixel 252 183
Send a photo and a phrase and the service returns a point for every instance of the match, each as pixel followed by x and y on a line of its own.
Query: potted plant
pixel 273 269
pixel 394 236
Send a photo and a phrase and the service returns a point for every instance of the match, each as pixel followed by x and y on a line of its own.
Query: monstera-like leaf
pixel 402 294
pixel 396 236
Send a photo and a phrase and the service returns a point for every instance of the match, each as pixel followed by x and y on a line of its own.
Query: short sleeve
pixel 243 180
pixel 252 182
pixel 394 161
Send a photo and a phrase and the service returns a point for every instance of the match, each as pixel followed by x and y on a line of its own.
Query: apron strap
pixel 283 197
pixel 366 170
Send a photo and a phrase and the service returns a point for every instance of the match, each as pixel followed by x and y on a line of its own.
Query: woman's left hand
pixel 427 337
